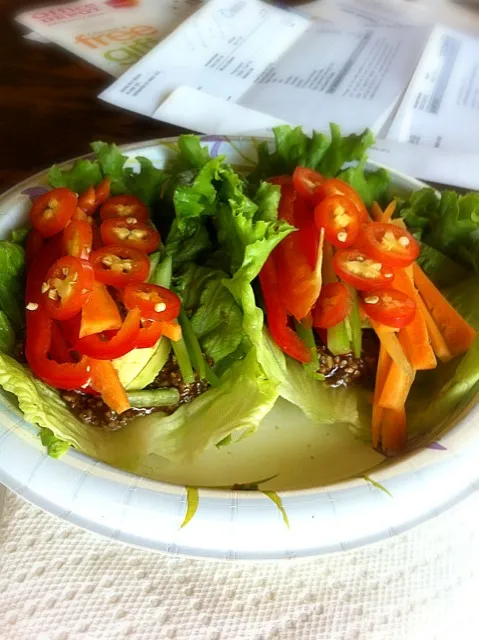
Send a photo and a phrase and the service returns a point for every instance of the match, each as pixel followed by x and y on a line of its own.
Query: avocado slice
pixel 139 367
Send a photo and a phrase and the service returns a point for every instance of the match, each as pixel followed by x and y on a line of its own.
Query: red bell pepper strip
pixel 33 246
pixel 38 343
pixel 102 346
pixel 39 328
pixel 100 312
pixel 298 280
pixel 277 317
pixel 60 349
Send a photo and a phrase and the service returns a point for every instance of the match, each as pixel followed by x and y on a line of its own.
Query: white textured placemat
pixel 58 582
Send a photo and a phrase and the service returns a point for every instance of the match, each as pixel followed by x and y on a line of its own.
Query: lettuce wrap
pixel 219 228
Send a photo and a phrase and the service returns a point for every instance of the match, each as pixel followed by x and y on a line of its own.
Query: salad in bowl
pixel 160 312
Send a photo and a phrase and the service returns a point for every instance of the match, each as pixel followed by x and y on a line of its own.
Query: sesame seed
pixel 342 236
pixel 32 306
pixel 159 307
pixel 371 300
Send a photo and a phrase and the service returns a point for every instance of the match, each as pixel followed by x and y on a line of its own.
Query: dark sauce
pixel 346 370
pixel 93 411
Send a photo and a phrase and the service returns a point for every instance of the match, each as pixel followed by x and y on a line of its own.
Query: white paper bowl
pixel 334 491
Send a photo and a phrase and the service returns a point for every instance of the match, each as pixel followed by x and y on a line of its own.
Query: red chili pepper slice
pixel 52 211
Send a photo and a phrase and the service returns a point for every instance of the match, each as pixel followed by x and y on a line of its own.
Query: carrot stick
pixel 394 431
pixel 376 212
pixel 437 341
pixel 396 389
pixel 392 345
pixel 171 330
pixel 105 380
pixel 384 364
pixel 415 335
pixel 389 212
pixel 457 333
pixel 398 383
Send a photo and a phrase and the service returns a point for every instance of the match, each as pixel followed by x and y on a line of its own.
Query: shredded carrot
pixel 457 333
pixel 437 341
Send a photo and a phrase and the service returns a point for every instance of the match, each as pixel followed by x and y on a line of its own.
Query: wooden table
pixel 49 110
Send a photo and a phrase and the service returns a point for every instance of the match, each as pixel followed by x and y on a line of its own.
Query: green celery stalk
pixel 154 260
pixel 199 363
pixel 164 273
pixel 162 277
pixel 154 397
pixel 307 336
pixel 354 320
pixel 183 359
pixel 338 340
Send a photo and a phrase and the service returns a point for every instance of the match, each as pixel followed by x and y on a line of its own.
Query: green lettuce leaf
pixel 242 232
pixel 464 297
pixel 322 404
pixel 195 193
pixel 218 320
pixel 330 156
pixel 145 184
pixel 55 447
pixel 12 267
pixel 435 394
pixel 372 186
pixel 448 222
pixel 191 155
pixel 7 334
pixel 112 164
pixel 19 235
pixel 83 174
pixel 443 271
pixel 188 244
pixel 41 405
pixel 233 409
pixel 451 390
